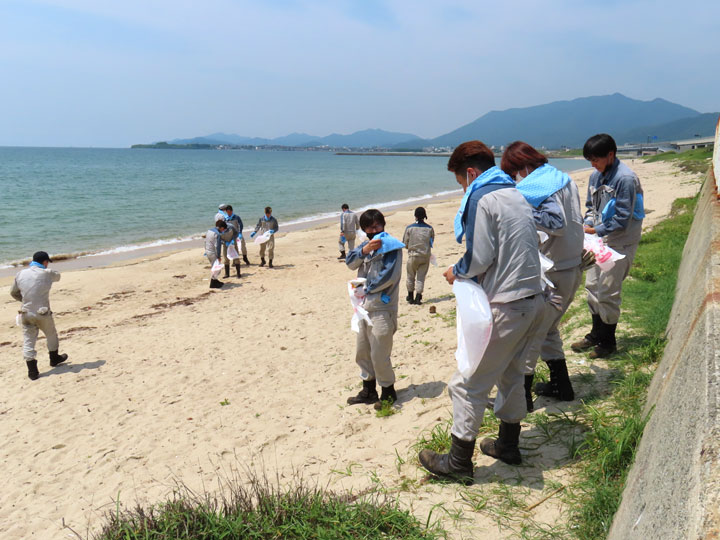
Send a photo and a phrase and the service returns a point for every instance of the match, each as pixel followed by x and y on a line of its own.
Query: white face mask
pixel 519 177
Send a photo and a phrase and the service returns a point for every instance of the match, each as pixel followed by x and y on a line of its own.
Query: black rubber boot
pixel 505 447
pixel 262 261
pixel 418 299
pixel 591 339
pixel 342 256
pixel 270 265
pixel 237 270
pixel 57 359
pixel 388 394
pixel 528 392
pixel 410 299
pixel 559 386
pixel 368 395
pixel 227 271
pixel 216 284
pixel 607 344
pixel 245 260
pixel 33 372
pixel 456 464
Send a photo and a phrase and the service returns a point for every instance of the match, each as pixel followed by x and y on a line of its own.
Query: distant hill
pixel 564 123
pixel 368 138
pixel 685 128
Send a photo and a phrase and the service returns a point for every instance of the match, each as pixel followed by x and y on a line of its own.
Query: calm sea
pixel 75 200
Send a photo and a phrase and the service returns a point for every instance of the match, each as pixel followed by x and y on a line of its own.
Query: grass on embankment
pixel 692 161
pixel 265 511
pixel 616 426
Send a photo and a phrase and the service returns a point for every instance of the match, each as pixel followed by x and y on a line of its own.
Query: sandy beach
pixel 168 380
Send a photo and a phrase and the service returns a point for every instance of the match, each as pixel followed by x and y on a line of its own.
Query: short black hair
pixel 371 217
pixel 221 223
pixel 268 210
pixel 345 207
pixel 420 213
pixel 599 146
pixel 228 207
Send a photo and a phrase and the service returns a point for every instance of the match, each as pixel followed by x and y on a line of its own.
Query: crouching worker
pixel 379 260
pixel 501 254
pixel 214 240
pixel 32 288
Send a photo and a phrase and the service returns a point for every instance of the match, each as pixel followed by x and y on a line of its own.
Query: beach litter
pixel 356 291
pixel 605 256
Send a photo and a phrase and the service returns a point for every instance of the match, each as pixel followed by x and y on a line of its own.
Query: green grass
pixel 264 511
pixel 693 161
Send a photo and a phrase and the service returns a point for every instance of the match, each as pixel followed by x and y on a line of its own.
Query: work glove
pixel 272 231
pixel 252 234
pixel 588 260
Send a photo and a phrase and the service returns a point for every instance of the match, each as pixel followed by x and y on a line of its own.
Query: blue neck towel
pixel 494 175
pixel 541 183
pixel 37 265
pixel 389 243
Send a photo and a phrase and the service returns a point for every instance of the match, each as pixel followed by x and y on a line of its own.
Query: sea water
pixel 84 200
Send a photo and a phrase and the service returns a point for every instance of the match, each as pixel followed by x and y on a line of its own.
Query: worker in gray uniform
pixel 32 288
pixel 348 225
pixel 501 254
pixel 615 212
pixel 382 270
pixel 214 240
pixel 555 202
pixel 264 224
pixel 226 213
pixel 234 224
pixel 419 238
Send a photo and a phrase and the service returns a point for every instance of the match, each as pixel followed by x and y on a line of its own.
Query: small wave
pixel 134 247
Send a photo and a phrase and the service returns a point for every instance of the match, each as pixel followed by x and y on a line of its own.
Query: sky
pixel 106 73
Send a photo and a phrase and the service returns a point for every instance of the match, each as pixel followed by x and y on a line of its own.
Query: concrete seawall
pixel 673 489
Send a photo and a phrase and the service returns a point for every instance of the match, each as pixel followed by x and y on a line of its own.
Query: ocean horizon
pixel 73 202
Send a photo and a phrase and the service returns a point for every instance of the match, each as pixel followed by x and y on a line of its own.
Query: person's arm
pixel 406 236
pixel 259 224
pixel 549 216
pixel 240 225
pixel 355 257
pixel 54 275
pixel 589 210
pixel 15 291
pixel 480 242
pixel 276 227
pixel 432 237
pixel 388 275
pixel 624 205
pixel 342 222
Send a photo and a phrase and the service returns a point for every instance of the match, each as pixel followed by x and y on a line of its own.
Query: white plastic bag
pixel 474 325
pixel 264 237
pixel 216 269
pixel 357 297
pixel 18 319
pixel 232 252
pixel 433 260
pixel 605 256
pixel 545 266
pixel 360 236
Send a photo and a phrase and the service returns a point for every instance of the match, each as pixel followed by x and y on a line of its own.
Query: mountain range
pixel 552 125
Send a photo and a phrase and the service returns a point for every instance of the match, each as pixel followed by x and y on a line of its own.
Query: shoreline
pixel 129 254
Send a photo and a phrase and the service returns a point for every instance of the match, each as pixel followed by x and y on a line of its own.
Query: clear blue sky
pixel 113 73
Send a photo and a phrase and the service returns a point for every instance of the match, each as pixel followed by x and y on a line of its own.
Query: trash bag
pixel 605 256
pixel 474 325
pixel 264 237
pixel 232 252
pixel 217 267
pixel 433 260
pixel 356 291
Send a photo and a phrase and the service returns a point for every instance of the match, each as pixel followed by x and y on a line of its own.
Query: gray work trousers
pixel 416 270
pixel 514 325
pixel 268 246
pixel 350 242
pixel 31 324
pixel 243 247
pixel 604 288
pixel 226 260
pixel 374 347
pixel 549 344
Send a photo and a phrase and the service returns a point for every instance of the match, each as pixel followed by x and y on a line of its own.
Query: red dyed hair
pixel 471 154
pixel 519 155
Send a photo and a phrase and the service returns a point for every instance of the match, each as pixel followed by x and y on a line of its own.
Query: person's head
pixel 372 222
pixel 220 225
pixel 345 207
pixel 420 213
pixel 42 257
pixel 520 159
pixel 600 151
pixel 223 207
pixel 228 210
pixel 470 160
pixel 268 211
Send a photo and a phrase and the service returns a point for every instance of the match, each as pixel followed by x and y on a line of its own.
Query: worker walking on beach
pixel 32 288
pixel 418 238
pixel 214 240
pixel 265 224
pixel 234 224
pixel 348 225
pixel 226 213
pixel 615 212
pixel 379 261
pixel 555 202
pixel 501 254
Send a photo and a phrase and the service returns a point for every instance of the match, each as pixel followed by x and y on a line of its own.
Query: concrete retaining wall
pixel 673 490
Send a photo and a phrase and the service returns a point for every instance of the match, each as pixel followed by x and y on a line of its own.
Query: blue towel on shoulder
pixel 541 183
pixel 389 243
pixel 494 175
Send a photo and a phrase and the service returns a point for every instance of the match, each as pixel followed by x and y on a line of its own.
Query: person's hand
pixel 372 245
pixel 588 259
pixel 589 230
pixel 252 234
pixel 449 276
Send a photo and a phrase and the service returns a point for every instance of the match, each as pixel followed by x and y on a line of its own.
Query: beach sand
pixel 168 380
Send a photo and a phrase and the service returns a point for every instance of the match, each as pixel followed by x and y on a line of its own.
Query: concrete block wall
pixel 673 489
